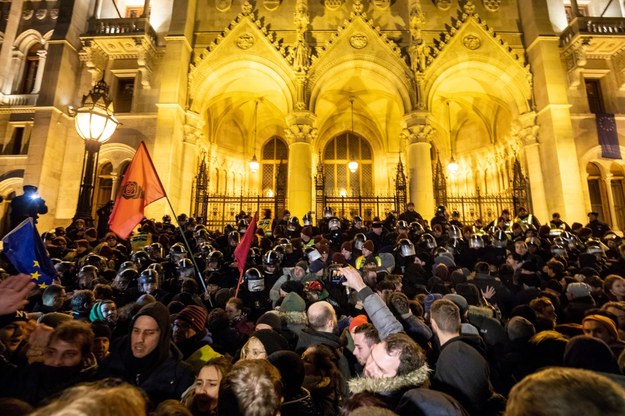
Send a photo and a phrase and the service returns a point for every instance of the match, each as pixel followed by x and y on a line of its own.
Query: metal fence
pixel 478 206
pixel 222 209
pixel 367 207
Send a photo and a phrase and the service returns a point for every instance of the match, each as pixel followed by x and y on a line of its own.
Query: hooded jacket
pixel 161 374
pixel 462 371
pixel 390 389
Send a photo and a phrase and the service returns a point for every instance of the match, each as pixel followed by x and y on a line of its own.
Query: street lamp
pixel 95 122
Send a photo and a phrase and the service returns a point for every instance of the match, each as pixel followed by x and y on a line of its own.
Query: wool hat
pixel 82 243
pixel 347 246
pixel 293 302
pixel 101 330
pixel 369 245
pixel 578 290
pixel 376 224
pixel 96 311
pixel 307 231
pixel 272 319
pixel 292 286
pixel 323 248
pixel 271 340
pixel 520 328
pixel 460 301
pixel 303 264
pixel 430 299
pixel 357 321
pixel 195 316
pixel 316 265
pixel 590 354
pixel 291 369
pixel 446 259
pixel 91 233
pixel 605 322
pixel 338 258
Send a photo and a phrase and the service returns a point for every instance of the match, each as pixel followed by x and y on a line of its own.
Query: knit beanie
pixel 590 354
pixel 96 311
pixel 316 265
pixel 338 258
pixel 272 319
pixel 271 340
pixel 460 302
pixel 605 322
pixel 13 317
pixel 307 231
pixel 578 290
pixel 430 299
pixel 101 330
pixel 291 369
pixel 195 316
pixel 357 321
pixel 369 245
pixel 303 264
pixel 347 246
pixel 293 303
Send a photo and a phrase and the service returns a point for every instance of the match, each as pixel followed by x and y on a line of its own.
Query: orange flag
pixel 140 187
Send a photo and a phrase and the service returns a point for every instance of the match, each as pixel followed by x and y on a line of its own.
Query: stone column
pixel 611 219
pixel 6 55
pixel 529 138
pixel 300 134
pixel 418 133
pixel 40 70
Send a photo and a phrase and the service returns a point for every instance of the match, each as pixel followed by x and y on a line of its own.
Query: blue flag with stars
pixel 24 249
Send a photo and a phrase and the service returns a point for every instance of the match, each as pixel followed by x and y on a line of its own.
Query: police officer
pixel 29 204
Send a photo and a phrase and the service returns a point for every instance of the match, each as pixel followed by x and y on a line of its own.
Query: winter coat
pixel 379 314
pixel 462 371
pixel 302 405
pixel 390 389
pixel 426 402
pixel 309 337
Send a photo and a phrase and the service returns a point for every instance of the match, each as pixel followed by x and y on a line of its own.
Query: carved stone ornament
pixel 41 14
pixel 271 5
pixel 472 42
pixel 224 5
pixel 443 4
pixel 492 5
pixel 333 4
pixel 27 14
pixel 382 4
pixel 54 14
pixel 358 40
pixel 246 41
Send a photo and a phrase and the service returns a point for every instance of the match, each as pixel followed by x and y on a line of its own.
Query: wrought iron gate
pixel 367 206
pixel 486 207
pixel 216 211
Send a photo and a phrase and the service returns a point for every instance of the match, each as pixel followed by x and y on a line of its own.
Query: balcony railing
pixel 18 100
pixel 122 28
pixel 595 26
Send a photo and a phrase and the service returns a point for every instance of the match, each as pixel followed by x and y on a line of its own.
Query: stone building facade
pixel 487 84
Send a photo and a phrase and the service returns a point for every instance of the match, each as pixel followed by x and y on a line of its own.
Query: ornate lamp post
pixel 95 122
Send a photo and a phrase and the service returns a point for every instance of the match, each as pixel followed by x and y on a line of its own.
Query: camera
pixel 335 276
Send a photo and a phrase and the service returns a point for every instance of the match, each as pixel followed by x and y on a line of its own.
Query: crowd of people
pixel 338 316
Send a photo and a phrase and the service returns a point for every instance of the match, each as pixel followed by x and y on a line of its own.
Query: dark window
pixel 18 144
pixel 123 96
pixel 595 98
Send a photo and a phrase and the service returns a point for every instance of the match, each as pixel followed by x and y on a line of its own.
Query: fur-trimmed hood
pixel 297 318
pixel 388 385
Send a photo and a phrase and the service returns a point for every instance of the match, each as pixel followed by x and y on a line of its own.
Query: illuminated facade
pixel 299 83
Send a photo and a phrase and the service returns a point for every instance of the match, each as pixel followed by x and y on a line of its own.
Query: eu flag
pixel 24 249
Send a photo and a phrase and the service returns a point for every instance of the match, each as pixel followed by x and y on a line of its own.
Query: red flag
pixel 240 253
pixel 140 187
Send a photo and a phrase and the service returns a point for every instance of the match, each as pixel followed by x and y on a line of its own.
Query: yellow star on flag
pixel 43 285
pixel 35 275
pixel 36 263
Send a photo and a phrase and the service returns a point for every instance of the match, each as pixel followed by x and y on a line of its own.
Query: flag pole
pixel 192 258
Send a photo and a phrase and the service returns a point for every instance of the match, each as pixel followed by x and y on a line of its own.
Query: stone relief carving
pixel 333 4
pixel 491 5
pixel 358 40
pixel 246 41
pixel 224 5
pixel 472 42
